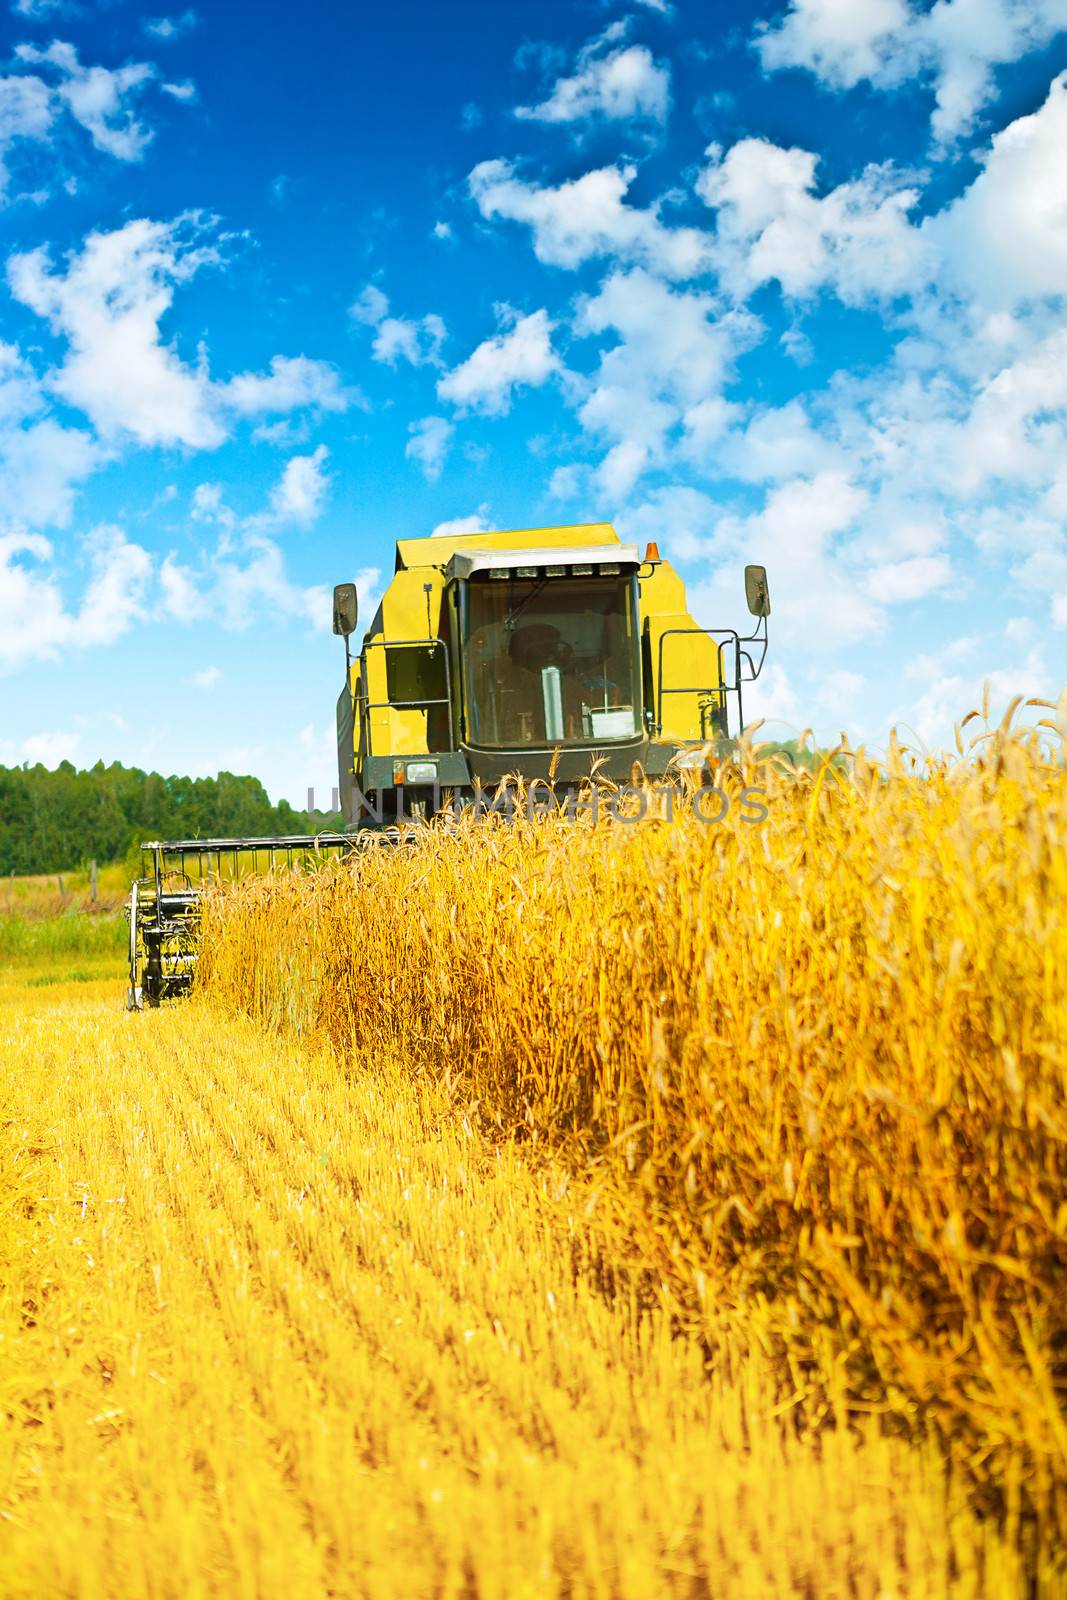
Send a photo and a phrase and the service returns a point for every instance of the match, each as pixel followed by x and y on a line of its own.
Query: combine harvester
pixel 533 654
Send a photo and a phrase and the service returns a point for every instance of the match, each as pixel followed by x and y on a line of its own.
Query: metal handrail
pixel 730 638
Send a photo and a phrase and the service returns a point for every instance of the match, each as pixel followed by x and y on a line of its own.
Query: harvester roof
pixel 465 563
pixel 438 551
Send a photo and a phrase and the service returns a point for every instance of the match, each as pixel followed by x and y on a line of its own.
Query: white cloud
pixel 34 621
pixel 770 225
pixel 772 699
pixel 108 304
pixel 964 436
pixel 108 301
pixel 776 444
pixel 1016 429
pixel 428 445
pixel 296 500
pixel 587 217
pixel 896 528
pixel 399 338
pixel 566 481
pixel 370 306
pixel 927 667
pixel 520 357
pixel 841 43
pixel 20 389
pixel 168 28
pixel 950 697
pixel 284 434
pixel 841 694
pixel 1019 629
pixel 675 350
pixel 37 10
pixel 26 113
pixel 292 383
pixel 614 84
pixel 98 98
pixel 207 679
pixel 957 44
pixel 300 496
pixel 798 346
pixel 679 518
pixel 1005 239
pixel 114 597
pixel 800 536
pixel 706 426
pixel 40 467
pixel 208 506
pixel 49 749
pixel 1045 572
pixel 241 592
pixel 40 461
pixel 958 438
pixel 458 526
pixel 179 590
pixel 894 581
pixel 685 341
pixel 241 587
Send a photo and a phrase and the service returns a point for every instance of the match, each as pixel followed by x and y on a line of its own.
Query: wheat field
pixel 272 1329
pixel 597 1210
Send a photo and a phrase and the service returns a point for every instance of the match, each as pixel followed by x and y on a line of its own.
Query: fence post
pixel 92 883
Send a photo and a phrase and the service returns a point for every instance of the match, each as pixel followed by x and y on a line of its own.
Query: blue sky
pixel 771 282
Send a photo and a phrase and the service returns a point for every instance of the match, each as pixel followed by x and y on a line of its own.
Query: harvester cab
pixel 533 653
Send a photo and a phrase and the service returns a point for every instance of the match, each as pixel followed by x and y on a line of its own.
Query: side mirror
pixel 345 609
pixel 756 591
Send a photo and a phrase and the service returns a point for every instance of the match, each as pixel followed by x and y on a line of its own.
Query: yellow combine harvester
pixel 532 653
pixel 538 654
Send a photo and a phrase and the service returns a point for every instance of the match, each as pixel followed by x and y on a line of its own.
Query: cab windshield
pixel 550 661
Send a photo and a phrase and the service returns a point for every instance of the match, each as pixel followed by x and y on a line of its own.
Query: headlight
pixel 421 771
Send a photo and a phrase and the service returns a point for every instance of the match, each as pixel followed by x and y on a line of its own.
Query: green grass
pixel 23 939
pixel 48 980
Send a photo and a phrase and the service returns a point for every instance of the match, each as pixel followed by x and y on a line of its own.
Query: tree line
pixel 54 821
